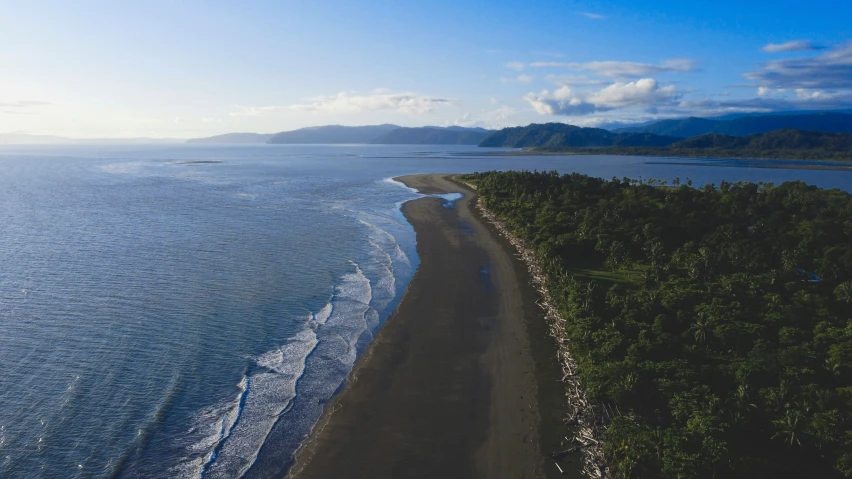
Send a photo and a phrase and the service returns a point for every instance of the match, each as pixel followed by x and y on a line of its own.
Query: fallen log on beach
pixel 565 452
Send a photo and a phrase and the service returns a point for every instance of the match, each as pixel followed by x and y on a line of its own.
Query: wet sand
pixel 456 383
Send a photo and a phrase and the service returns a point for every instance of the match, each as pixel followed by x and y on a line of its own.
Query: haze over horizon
pixel 92 69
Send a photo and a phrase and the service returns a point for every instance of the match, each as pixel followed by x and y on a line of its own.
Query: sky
pixel 197 68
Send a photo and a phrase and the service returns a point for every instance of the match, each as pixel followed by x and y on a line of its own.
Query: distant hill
pixel 748 125
pixel 375 134
pixel 732 116
pixel 429 135
pixel 234 138
pixel 27 139
pixel 560 135
pixel 332 134
pixel 617 126
pixel 774 140
pixel 785 143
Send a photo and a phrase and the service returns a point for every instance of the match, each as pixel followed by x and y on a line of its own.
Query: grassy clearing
pixel 595 270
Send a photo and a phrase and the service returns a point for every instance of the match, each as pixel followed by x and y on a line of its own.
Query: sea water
pixel 187 311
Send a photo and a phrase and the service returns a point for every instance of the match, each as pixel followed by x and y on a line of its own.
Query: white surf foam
pixel 321 316
pixel 268 395
pixel 401 185
pixel 229 436
pixel 347 321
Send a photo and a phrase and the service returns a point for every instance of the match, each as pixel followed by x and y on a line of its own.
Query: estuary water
pixel 187 311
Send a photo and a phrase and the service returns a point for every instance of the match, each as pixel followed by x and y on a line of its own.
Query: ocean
pixel 187 310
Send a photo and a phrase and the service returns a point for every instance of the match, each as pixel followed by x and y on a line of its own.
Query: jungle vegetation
pixel 719 327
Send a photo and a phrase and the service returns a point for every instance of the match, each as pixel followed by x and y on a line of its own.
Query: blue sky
pixel 192 68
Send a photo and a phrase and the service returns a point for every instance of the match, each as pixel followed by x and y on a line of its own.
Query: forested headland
pixel 837 121
pixel 716 320
pixel 782 143
pixel 785 144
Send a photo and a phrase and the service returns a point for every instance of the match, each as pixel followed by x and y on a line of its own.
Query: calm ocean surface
pixel 186 311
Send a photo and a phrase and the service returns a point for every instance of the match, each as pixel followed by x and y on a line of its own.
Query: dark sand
pixel 457 381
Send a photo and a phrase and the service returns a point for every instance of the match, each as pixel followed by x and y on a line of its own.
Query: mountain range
pixel 560 135
pixel 550 135
pixel 428 135
pixel 785 139
pixel 782 143
pixel 331 134
pixel 747 125
pixel 234 138
pixel 371 134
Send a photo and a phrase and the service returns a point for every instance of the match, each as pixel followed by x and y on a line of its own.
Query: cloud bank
pixel 616 69
pixel 831 70
pixel 794 46
pixel 646 93
pixel 347 103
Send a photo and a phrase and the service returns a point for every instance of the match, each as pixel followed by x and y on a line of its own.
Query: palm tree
pixel 790 428
pixel 844 292
pixel 700 328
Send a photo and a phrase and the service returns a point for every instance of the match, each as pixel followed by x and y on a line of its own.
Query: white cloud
pixel 344 102
pixel 497 118
pixel 805 94
pixel 641 92
pixel 519 66
pixel 565 101
pixel 615 69
pixel 770 92
pixel 771 100
pixel 794 46
pixel 380 100
pixel 593 16
pixel 210 119
pixel 831 70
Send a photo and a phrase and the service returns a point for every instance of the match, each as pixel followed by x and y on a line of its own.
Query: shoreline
pixel 462 380
pixel 587 417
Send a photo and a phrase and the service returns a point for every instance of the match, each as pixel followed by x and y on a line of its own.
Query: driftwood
pixel 565 452
pixel 590 424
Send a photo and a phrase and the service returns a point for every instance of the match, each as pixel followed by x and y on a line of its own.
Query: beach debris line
pixel 588 418
pixel 565 452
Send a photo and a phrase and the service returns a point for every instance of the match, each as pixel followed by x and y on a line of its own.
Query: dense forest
pixel 429 135
pixel 828 121
pixel 560 135
pixel 716 320
pixel 773 140
pixel 790 144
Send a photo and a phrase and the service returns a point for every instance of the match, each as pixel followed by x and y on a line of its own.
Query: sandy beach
pixel 462 381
